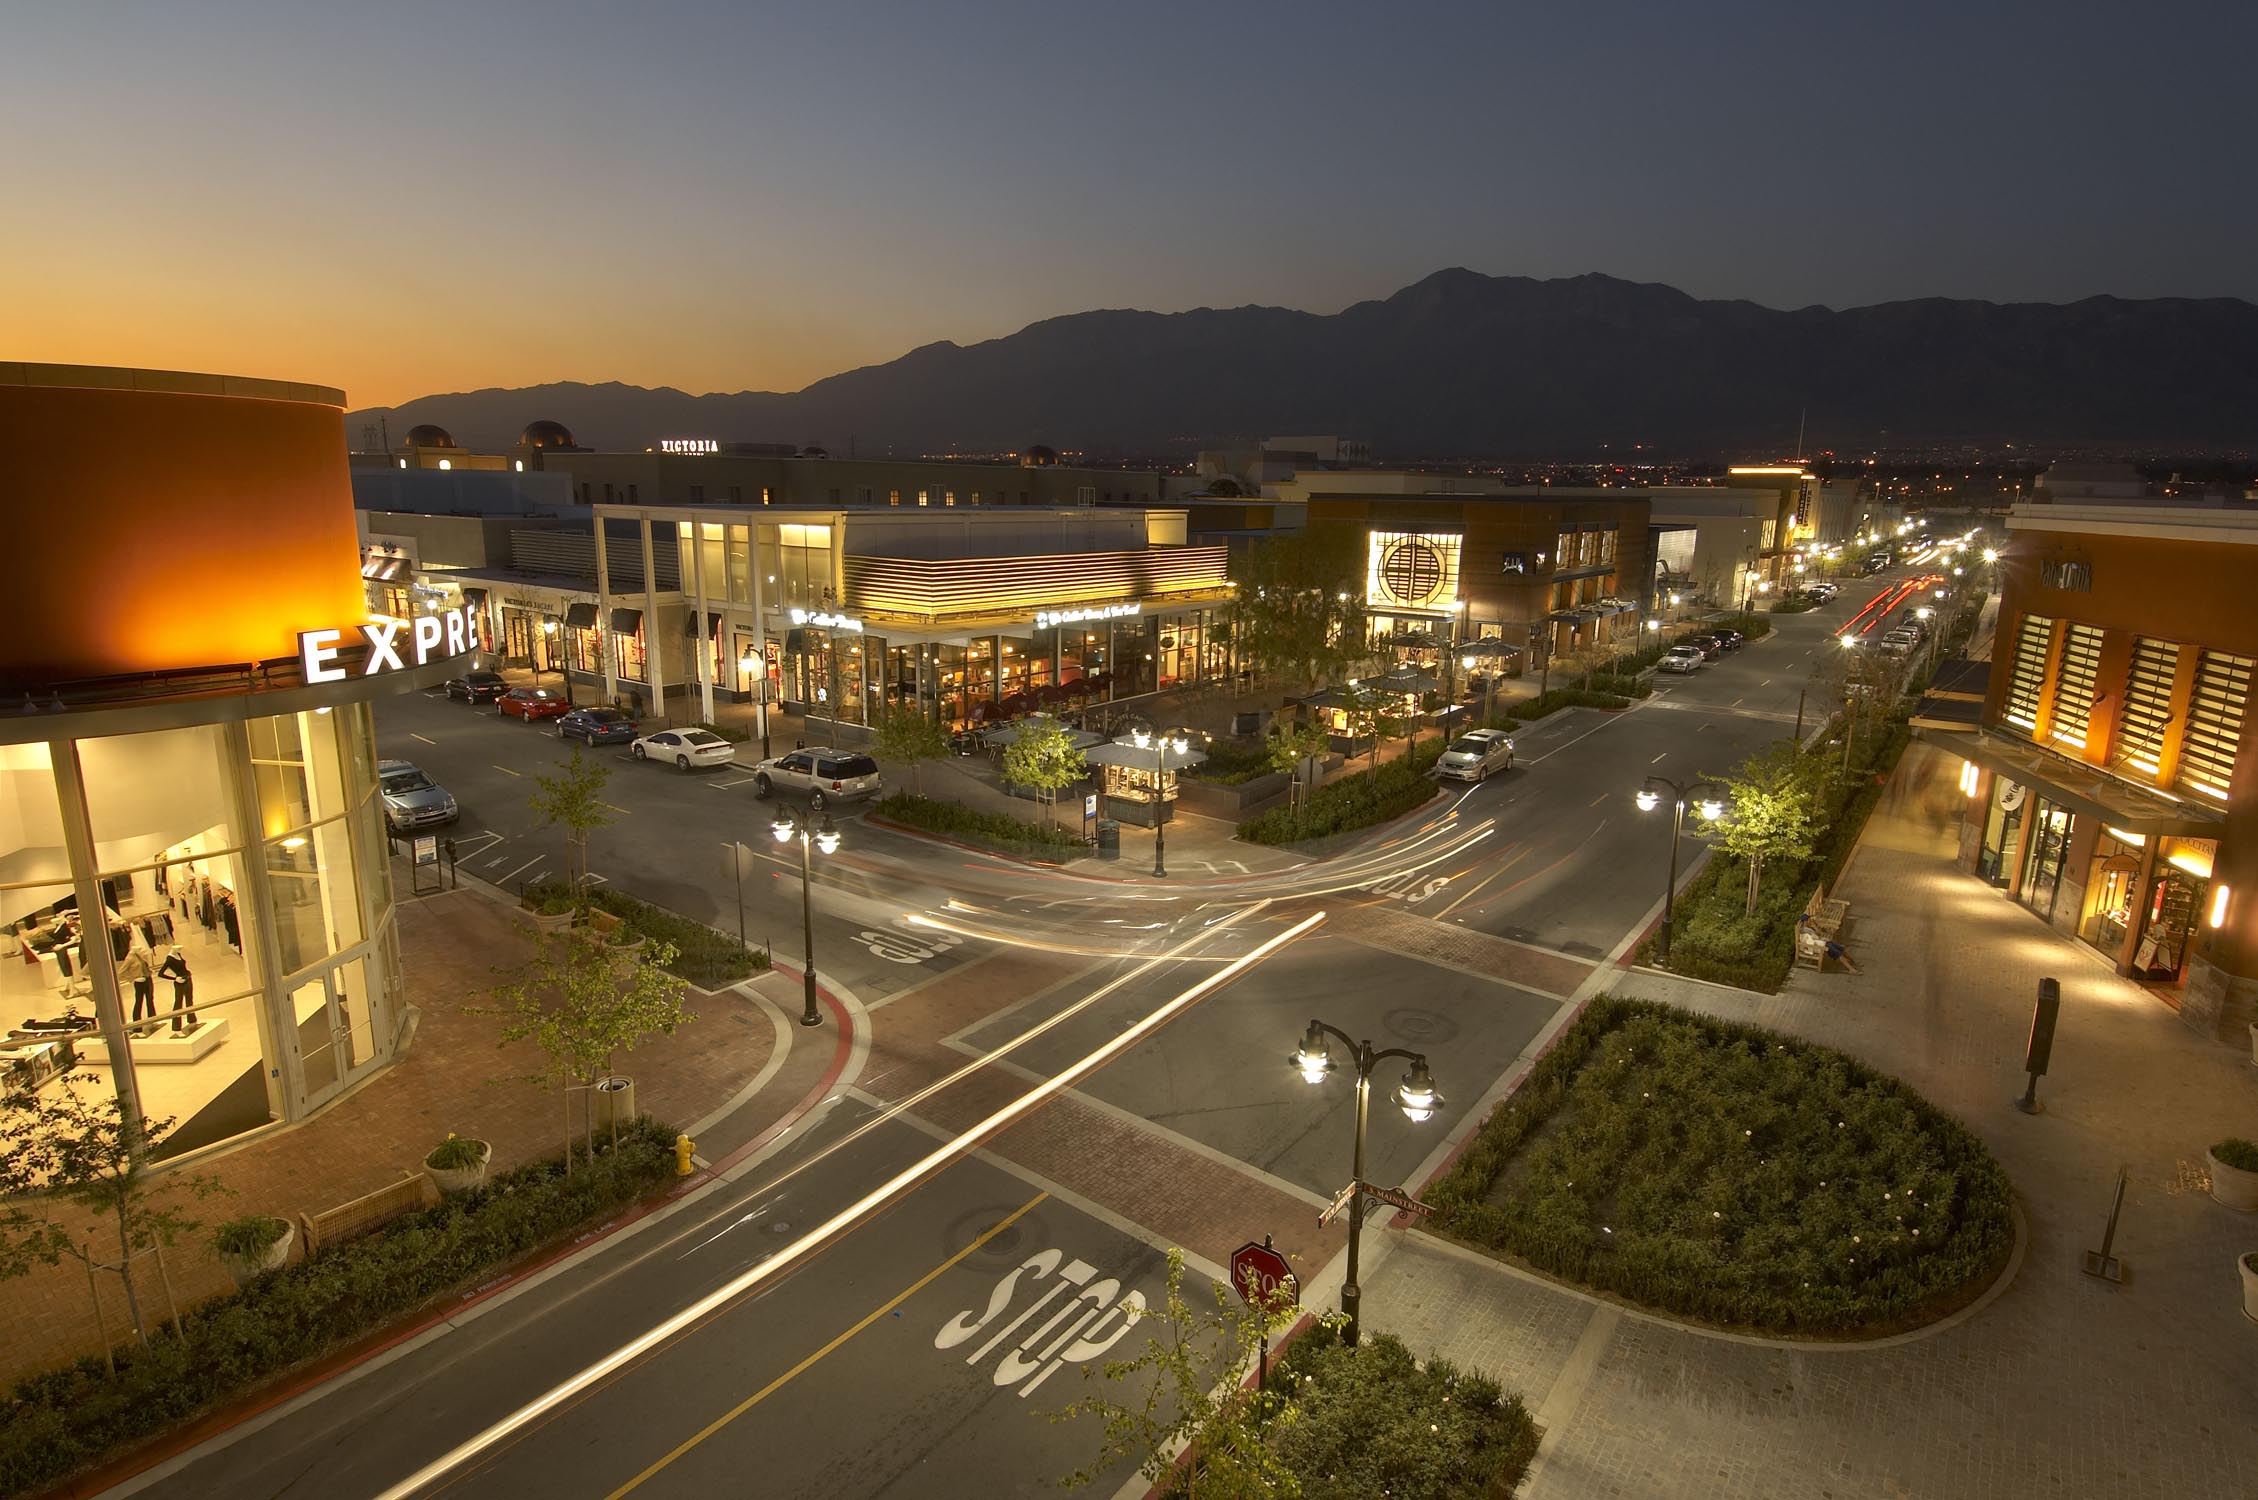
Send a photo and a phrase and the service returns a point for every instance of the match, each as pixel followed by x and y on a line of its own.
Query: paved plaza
pixel 2061 1384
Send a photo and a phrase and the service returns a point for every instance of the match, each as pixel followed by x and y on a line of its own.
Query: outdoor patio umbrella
pixel 1404 680
pixel 1004 734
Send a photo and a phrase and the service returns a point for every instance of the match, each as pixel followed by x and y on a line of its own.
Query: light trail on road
pixel 722 1296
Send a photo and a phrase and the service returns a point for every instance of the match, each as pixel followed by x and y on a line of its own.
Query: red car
pixel 530 704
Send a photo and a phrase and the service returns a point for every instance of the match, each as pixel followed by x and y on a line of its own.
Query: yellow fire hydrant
pixel 683 1146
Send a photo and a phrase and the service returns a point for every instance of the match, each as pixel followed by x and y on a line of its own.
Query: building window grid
pixel 2027 678
pixel 2148 706
pixel 2075 681
pixel 2214 724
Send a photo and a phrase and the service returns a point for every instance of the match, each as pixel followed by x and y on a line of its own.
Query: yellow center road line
pixel 425 738
pixel 609 808
pixel 1602 797
pixel 786 1378
pixel 505 770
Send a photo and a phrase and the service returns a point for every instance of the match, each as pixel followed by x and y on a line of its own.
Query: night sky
pixel 405 198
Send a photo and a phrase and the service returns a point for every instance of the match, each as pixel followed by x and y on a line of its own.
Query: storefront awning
pixel 581 616
pixel 690 622
pixel 2078 786
pixel 627 621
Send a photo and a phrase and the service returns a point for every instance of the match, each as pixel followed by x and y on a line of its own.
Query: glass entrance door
pixel 2050 847
pixel 336 1020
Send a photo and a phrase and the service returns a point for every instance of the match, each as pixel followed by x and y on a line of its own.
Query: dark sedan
pixel 1731 640
pixel 1708 645
pixel 596 726
pixel 477 687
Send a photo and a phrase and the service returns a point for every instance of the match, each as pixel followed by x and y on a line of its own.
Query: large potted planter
pixel 250 1247
pixel 458 1164
pixel 2250 1285
pixel 615 1102
pixel 2234 1174
pixel 551 913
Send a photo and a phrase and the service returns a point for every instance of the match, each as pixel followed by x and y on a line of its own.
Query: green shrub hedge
pixel 1793 606
pixel 1360 799
pixel 58 1423
pixel 1563 697
pixel 1004 834
pixel 703 956
pixel 1373 1421
pixel 1731 1174
pixel 1232 763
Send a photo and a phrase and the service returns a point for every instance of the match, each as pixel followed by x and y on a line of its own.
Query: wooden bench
pixel 1822 923
pixel 369 1211
pixel 602 924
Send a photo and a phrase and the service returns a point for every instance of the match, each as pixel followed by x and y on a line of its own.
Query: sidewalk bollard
pixel 2100 1262
pixel 2041 1045
pixel 683 1146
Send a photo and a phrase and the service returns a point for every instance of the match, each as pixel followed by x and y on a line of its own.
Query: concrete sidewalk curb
pixel 366 1354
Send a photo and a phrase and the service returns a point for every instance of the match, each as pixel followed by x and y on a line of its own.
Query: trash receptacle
pixel 615 1102
pixel 1246 724
pixel 1109 839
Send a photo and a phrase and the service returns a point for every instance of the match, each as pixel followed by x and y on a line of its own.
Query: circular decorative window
pixel 1412 571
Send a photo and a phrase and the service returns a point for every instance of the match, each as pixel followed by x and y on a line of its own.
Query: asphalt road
pixel 895 1363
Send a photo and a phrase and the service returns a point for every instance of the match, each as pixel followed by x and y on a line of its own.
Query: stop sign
pixel 1258 1270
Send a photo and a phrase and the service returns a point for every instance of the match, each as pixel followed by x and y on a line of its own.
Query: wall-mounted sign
pixel 1516 562
pixel 1046 618
pixel 689 445
pixel 1414 570
pixel 392 644
pixel 825 620
pixel 2067 574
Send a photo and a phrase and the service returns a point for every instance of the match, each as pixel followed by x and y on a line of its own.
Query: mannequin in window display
pixel 135 966
pixel 175 968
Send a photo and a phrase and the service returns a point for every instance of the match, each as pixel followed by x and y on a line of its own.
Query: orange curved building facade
pixel 159 522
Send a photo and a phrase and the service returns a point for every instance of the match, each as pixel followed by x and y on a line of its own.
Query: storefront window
pixel 584 649
pixel 2051 827
pixel 627 652
pixel 2116 872
pixel 740 564
pixel 2176 896
pixel 2001 825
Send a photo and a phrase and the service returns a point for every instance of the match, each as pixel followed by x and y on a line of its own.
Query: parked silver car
pixel 1475 754
pixel 1682 659
pixel 839 775
pixel 412 799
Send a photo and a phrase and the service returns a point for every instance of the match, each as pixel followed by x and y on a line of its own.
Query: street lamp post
pixel 1681 794
pixel 1416 1096
pixel 1161 744
pixel 812 836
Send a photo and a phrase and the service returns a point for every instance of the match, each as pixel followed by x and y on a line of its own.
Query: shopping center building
pixel 834 613
pixel 196 907
pixel 2111 785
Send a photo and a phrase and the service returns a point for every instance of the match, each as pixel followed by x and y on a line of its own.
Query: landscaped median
pixel 1732 1176
pixel 57 1424
pixel 1356 800
pixel 983 830
pixel 707 958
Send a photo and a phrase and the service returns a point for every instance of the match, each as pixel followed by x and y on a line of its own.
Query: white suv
pixel 1475 754
pixel 837 774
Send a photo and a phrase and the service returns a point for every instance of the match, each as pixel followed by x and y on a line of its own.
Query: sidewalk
pixel 456 1077
pixel 2063 1384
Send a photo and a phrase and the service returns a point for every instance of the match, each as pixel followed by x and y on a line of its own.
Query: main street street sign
pixel 1399 1199
pixel 1260 1269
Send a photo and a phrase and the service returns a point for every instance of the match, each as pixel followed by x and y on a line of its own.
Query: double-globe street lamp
pixel 1416 1096
pixel 788 826
pixel 1161 745
pixel 1682 795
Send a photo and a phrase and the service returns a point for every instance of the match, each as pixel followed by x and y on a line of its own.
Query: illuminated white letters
pixel 440 637
pixel 1046 618
pixel 382 655
pixel 316 650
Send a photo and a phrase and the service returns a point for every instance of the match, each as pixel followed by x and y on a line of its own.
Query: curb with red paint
pixel 328 1367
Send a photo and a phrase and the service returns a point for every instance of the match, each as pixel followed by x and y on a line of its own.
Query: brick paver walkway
pixel 2063 1385
pixel 1183 1197
pixel 455 1077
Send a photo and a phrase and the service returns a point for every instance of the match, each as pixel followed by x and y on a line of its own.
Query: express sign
pixel 392 644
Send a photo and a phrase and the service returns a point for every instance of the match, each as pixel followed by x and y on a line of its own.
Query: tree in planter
pixel 1866 681
pixel 572 798
pixel 1372 715
pixel 1044 760
pixel 1187 1386
pixel 583 1003
pixel 1772 811
pixel 1296 612
pixel 57 1147
pixel 906 735
pixel 1295 746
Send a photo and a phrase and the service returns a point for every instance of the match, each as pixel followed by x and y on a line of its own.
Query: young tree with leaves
pixel 1373 715
pixel 572 798
pixel 583 1003
pixel 1043 759
pixel 1187 1387
pixel 1297 612
pixel 904 734
pixel 1772 810
pixel 57 1147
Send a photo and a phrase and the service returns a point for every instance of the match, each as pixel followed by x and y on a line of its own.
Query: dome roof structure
pixel 429 435
pixel 545 434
